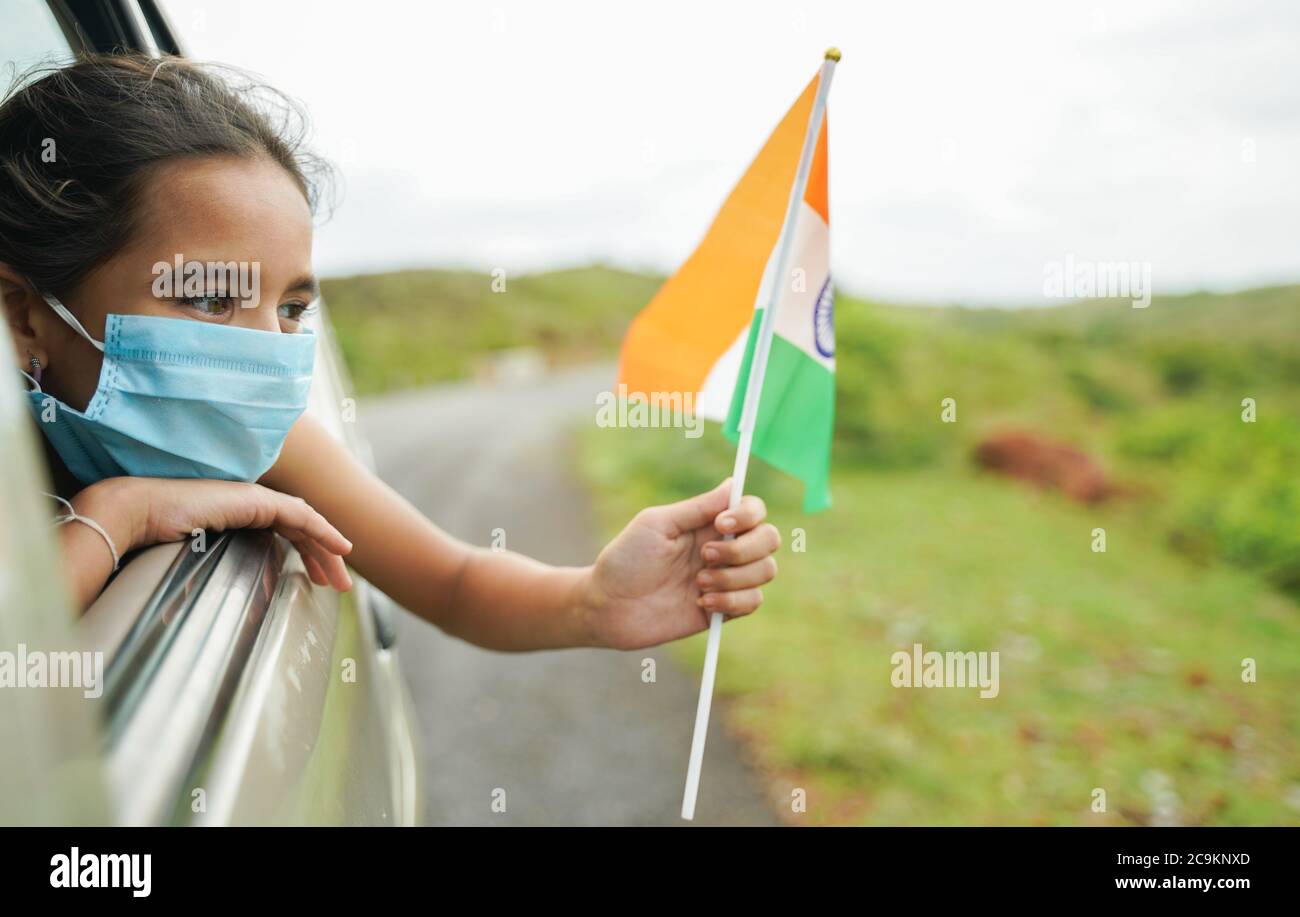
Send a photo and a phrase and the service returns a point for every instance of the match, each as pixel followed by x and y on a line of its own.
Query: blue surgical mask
pixel 179 398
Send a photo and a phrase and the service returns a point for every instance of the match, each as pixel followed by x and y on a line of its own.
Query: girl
pixel 167 408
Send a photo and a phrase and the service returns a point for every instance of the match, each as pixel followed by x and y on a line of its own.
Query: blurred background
pixel 579 151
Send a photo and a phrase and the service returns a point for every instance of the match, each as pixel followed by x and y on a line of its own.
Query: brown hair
pixel 77 144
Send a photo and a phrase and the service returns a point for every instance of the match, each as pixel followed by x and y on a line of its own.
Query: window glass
pixel 31 35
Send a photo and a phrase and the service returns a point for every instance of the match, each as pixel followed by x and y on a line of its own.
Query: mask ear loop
pixel 71 319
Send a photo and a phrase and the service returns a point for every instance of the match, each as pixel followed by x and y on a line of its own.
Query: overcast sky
pixel 971 143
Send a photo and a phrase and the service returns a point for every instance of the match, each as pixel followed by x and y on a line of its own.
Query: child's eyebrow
pixel 307 283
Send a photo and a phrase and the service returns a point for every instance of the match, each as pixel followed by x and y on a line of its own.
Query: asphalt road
pixel 572 737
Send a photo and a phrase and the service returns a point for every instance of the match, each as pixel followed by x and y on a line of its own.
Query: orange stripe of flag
pixel 696 315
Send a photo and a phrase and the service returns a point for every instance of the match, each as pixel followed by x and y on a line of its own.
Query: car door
pixel 234 691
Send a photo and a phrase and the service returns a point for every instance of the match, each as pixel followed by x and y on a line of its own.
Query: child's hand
pixel 148 511
pixel 669 570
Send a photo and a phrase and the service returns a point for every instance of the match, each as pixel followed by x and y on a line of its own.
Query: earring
pixel 36 369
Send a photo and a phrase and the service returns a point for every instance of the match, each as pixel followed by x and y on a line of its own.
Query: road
pixel 571 737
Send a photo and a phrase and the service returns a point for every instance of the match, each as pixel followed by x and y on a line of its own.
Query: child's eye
pixel 208 306
pixel 296 311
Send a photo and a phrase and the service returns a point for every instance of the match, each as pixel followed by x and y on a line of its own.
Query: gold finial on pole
pixel 833 54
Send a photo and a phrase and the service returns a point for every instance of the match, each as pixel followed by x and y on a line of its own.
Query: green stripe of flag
pixel 796 415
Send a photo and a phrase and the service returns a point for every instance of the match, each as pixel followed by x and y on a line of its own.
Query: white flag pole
pixel 749 412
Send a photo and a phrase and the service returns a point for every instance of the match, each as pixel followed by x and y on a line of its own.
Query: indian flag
pixel 697 337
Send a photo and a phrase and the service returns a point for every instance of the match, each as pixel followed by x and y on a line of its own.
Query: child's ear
pixel 19 298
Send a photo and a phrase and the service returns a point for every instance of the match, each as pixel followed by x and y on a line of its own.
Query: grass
pixel 1119 670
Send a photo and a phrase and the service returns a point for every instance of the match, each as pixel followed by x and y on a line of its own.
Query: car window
pixel 31 35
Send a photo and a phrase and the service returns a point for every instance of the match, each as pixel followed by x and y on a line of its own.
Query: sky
pixel 971 144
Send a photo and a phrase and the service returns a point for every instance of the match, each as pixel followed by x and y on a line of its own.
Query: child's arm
pixel 138 512
pixel 644 589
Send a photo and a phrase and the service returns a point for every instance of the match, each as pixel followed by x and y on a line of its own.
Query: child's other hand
pixel 670 569
pixel 155 510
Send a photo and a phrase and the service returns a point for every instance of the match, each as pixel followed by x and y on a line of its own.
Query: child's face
pixel 205 210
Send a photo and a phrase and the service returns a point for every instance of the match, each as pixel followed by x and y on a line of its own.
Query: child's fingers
pixel 744 549
pixel 340 579
pixel 690 514
pixel 314 572
pixel 316 527
pixel 295 518
pixel 729 579
pixel 335 570
pixel 744 517
pixel 732 604
pixel 323 566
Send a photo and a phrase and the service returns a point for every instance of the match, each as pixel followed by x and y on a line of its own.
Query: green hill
pixel 412 328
